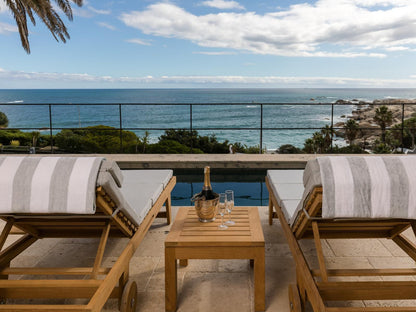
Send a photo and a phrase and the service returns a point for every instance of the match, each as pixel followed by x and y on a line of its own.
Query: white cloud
pixel 215 53
pixel 106 25
pixel 222 4
pixel 139 41
pixel 84 80
pixel 88 11
pixel 7 28
pixel 3 7
pixel 97 11
pixel 326 28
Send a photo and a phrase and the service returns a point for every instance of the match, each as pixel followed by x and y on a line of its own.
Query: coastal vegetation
pixel 4 121
pixel 22 10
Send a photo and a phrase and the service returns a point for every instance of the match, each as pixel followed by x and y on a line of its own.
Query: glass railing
pixel 266 126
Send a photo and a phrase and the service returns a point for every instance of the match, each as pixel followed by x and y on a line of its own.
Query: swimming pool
pixel 248 185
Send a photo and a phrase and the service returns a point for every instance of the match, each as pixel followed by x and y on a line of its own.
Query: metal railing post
pixel 402 134
pixel 50 127
pixel 332 126
pixel 121 128
pixel 261 128
pixel 190 127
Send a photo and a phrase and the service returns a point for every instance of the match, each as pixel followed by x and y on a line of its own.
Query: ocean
pixel 291 120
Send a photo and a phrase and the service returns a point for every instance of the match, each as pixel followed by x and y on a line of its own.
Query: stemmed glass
pixel 229 204
pixel 221 208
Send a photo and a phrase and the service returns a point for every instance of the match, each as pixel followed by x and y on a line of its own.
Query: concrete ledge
pixel 193 161
pixel 222 161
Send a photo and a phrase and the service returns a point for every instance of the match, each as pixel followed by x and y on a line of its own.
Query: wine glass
pixel 221 208
pixel 229 204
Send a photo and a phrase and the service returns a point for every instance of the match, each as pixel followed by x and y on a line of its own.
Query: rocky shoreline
pixel 364 112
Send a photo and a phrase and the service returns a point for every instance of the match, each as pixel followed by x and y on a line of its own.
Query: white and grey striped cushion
pixel 353 187
pixel 48 184
pixel 368 187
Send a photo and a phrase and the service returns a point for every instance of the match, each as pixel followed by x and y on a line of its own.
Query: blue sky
pixel 218 43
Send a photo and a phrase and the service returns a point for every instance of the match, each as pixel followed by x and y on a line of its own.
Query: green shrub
pixel 288 149
pixel 350 149
pixel 171 147
pixel 207 144
pixel 6 136
pixel 96 139
pixel 4 121
pixel 382 148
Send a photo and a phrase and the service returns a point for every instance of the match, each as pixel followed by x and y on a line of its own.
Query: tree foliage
pixel 96 139
pixel 351 128
pixel 289 149
pixel 4 121
pixel 25 138
pixel 384 118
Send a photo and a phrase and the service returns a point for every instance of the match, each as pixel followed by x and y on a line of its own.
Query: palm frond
pixel 43 9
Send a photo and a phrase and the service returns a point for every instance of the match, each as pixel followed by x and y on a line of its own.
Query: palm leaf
pixel 43 9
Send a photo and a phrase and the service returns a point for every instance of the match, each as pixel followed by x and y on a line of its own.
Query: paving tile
pixel 69 255
pixel 348 262
pixel 273 233
pixel 234 266
pixel 279 274
pixel 200 265
pixel 394 249
pixel 41 247
pixel 278 250
pixel 358 248
pixel 391 262
pixel 410 234
pixel 391 303
pixel 153 244
pixel 152 301
pixel 157 280
pixel 207 292
pixel 141 269
pixel 356 303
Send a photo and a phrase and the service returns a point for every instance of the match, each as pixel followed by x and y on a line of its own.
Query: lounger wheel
pixel 129 297
pixel 294 299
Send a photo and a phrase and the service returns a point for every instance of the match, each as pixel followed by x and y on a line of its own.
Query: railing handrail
pixel 209 103
pixel 191 127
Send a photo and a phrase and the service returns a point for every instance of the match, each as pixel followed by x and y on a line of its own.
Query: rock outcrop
pixel 364 113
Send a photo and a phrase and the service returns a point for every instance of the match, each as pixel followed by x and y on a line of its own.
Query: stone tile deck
pixel 216 285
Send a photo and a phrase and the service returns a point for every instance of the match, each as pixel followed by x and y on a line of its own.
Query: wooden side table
pixel 191 239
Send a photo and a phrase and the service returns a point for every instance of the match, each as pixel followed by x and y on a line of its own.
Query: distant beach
pixel 246 115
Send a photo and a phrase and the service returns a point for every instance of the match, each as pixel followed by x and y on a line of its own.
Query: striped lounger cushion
pixel 66 185
pixel 368 187
pixel 48 184
pixel 353 187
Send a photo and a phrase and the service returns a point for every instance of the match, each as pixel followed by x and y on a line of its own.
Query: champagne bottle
pixel 207 191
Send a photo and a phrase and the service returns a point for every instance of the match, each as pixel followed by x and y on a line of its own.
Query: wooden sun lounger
pixel 318 286
pixel 97 283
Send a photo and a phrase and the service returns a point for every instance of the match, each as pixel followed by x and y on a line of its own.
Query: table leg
pixel 170 280
pixel 259 280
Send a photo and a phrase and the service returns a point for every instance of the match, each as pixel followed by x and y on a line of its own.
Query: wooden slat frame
pixel 97 290
pixel 318 292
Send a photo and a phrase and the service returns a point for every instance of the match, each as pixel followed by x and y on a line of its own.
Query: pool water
pixel 248 185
